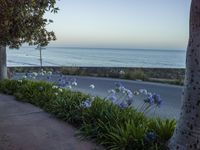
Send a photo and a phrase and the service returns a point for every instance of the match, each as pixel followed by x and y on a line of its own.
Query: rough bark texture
pixel 3 63
pixel 187 132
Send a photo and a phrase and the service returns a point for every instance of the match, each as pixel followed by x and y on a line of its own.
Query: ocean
pixel 96 57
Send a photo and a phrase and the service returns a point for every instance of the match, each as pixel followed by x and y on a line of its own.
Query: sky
pixel 148 24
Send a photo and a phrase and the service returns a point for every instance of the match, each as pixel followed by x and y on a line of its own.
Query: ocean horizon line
pixel 109 48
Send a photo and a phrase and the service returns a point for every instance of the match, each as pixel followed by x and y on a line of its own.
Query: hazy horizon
pixel 88 47
pixel 130 24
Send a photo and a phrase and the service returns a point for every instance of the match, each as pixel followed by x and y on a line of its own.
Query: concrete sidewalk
pixel 26 127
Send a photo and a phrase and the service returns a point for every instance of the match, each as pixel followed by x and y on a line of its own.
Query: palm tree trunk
pixel 3 63
pixel 187 132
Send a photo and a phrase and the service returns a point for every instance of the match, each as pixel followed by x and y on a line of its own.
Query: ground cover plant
pixel 113 122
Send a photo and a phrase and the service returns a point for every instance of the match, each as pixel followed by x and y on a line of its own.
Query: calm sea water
pixel 57 56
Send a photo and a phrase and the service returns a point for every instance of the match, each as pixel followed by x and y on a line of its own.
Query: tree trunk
pixel 187 133
pixel 3 63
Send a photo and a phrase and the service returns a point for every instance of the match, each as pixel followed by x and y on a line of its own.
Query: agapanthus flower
pixel 92 86
pixel 118 86
pixel 136 93
pixel 112 98
pixel 149 99
pixel 86 104
pixel 62 82
pixel 123 105
pixel 122 89
pixel 129 93
pixel 157 99
pixel 74 83
pixel 129 101
pixel 149 93
pixel 112 91
pixel 143 91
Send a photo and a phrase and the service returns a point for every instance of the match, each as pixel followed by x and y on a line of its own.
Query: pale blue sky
pixel 160 24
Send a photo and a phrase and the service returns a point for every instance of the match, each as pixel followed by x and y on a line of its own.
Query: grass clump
pixel 97 119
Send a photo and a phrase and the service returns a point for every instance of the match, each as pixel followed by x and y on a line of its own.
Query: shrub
pixel 9 87
pixel 137 74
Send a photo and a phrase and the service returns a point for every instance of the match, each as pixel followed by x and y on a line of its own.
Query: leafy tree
pixel 22 21
pixel 187 132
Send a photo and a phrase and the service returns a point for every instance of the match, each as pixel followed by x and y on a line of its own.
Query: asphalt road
pixel 170 94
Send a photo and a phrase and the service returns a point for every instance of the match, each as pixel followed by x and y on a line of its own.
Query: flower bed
pixel 113 125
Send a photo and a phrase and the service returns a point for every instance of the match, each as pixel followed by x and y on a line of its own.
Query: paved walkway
pixel 26 127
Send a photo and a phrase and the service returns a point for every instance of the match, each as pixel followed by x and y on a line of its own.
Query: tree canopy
pixel 22 21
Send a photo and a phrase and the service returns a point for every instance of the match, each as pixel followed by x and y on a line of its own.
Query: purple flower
pixel 122 89
pixel 113 98
pixel 122 105
pixel 86 104
pixel 129 93
pixel 157 99
pixel 129 101
pixel 112 91
pixel 149 99
pixel 62 82
pixel 143 91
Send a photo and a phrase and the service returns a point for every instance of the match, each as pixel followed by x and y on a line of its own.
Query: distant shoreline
pixel 110 48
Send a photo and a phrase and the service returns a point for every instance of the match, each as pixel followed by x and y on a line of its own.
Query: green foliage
pixel 67 107
pixel 103 122
pixel 124 136
pixel 136 74
pixel 37 93
pixel 163 129
pixel 9 87
pixel 22 21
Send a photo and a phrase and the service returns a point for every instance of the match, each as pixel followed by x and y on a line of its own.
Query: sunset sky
pixel 160 24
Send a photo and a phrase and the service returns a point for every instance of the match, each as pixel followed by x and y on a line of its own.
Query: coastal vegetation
pixel 160 75
pixel 111 123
